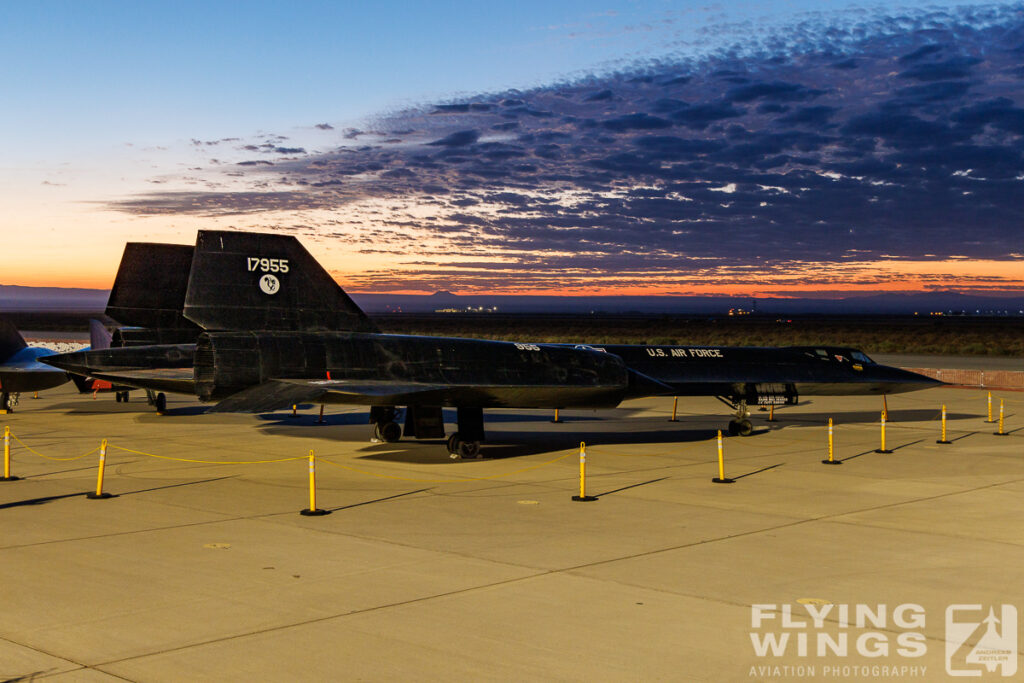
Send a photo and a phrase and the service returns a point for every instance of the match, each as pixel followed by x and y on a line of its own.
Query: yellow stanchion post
pixel 990 420
pixel 675 406
pixel 771 413
pixel 313 511
pixel 556 420
pixel 1001 432
pixel 583 497
pixel 882 448
pixel 943 439
pixel 721 478
pixel 7 456
pixel 99 494
pixel 831 460
pixel 295 409
pixel 885 407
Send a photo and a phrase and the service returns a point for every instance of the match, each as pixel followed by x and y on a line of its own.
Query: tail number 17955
pixel 267 265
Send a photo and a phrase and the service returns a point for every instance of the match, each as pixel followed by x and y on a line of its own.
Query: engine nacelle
pixel 226 363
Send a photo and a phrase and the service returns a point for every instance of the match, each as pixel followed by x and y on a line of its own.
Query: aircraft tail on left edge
pixel 11 340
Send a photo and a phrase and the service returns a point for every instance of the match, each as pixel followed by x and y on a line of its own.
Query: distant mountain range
pixel 923 302
pixel 17 298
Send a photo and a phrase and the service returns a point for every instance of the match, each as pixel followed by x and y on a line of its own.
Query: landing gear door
pixel 424 422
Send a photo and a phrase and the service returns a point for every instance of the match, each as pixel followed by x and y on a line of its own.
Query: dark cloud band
pixel 902 138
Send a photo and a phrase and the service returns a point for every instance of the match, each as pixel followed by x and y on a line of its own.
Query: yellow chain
pixel 47 457
pixel 447 481
pixel 206 462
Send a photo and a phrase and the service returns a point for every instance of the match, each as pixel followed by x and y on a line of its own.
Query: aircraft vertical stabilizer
pixel 99 336
pixel 255 281
pixel 149 290
pixel 11 340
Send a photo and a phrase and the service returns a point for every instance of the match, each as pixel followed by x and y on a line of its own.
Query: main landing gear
pixel 388 432
pixel 8 401
pixel 465 443
pixel 741 424
pixel 460 448
pixel 427 422
pixel 384 426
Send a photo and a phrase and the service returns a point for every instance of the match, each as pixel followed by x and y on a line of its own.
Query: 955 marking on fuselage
pixel 267 265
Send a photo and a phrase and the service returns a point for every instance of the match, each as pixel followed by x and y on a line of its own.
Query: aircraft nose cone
pixel 75 362
pixel 900 380
pixel 917 378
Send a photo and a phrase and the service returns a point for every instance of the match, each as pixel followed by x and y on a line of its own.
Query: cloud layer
pixel 901 138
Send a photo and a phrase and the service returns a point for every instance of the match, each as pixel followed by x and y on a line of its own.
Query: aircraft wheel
pixel 6 403
pixel 124 396
pixel 160 402
pixel 388 431
pixel 453 445
pixel 733 428
pixel 744 427
pixel 470 450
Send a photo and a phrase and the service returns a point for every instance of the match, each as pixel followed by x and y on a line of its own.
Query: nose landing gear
pixel 742 427
pixel 741 424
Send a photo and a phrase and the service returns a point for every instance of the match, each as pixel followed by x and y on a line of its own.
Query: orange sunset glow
pixel 885 161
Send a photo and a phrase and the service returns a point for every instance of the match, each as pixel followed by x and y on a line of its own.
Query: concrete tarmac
pixel 429 568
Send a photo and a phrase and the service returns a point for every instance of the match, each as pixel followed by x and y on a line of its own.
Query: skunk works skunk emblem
pixel 269 284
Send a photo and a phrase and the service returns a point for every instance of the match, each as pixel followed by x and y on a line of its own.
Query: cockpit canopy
pixel 837 355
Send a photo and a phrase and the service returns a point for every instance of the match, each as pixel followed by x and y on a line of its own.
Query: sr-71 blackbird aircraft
pixel 258 325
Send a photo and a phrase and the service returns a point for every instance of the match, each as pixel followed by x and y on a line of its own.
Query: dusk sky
pixel 752 148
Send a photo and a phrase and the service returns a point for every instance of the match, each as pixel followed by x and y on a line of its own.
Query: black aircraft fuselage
pixel 489 374
pixel 273 329
pixel 764 375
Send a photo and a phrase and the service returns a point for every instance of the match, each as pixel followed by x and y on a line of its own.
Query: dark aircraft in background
pixel 274 329
pixel 147 298
pixel 20 369
pixel 99 338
